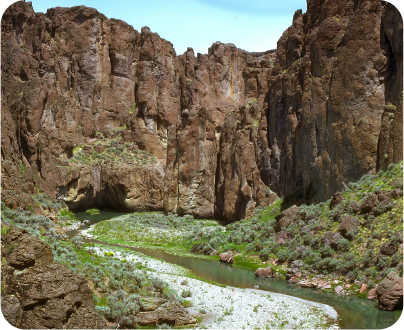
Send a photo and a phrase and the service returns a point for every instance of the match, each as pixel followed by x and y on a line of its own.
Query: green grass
pixel 111 149
pixel 93 211
pixel 69 214
pixel 5 230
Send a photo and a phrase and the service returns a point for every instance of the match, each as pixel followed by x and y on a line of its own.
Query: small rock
pixel 327 286
pixel 227 257
pixel 372 294
pixel 321 284
pixel 338 289
pixel 307 284
pixel 364 287
pixel 265 272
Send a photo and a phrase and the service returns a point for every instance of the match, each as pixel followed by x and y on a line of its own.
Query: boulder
pixel 11 309
pixel 390 292
pixel 392 246
pixel 265 272
pixel 24 250
pixel 170 312
pixel 285 218
pixel 49 295
pixel 151 303
pixel 396 193
pixel 356 207
pixel 348 226
pixel 363 288
pixel 227 257
pixel 331 239
pixel 338 289
pixel 388 248
pixel 336 200
pixel 369 204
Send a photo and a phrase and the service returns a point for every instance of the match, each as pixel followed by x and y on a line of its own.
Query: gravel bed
pixel 233 308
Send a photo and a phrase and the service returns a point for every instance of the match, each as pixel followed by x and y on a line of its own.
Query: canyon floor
pixel 224 307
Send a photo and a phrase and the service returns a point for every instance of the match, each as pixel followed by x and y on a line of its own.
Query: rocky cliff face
pixel 101 115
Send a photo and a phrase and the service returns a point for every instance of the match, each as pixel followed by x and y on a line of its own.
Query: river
pixel 353 312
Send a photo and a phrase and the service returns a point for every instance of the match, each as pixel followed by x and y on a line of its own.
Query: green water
pixel 353 312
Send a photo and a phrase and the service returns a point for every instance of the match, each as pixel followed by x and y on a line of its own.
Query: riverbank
pixel 346 245
pixel 219 307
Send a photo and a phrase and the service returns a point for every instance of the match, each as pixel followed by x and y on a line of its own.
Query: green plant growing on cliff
pixel 132 110
pixel 22 167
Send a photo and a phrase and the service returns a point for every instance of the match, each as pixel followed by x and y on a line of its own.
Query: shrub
pixel 159 284
pixel 395 259
pixel 326 251
pixel 186 293
pixel 283 254
pixel 77 241
pixel 5 230
pixel 343 245
pixel 164 326
pixel 250 247
pixel 186 303
pixel 207 249
pixel 382 262
pixel 264 254
pixel 103 310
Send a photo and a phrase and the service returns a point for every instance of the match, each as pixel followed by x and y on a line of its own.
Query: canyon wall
pixel 98 114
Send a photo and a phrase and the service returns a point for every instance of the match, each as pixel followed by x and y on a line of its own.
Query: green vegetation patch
pixel 93 211
pixel 113 150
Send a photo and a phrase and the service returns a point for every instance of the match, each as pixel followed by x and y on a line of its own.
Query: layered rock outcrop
pixel 39 294
pixel 99 114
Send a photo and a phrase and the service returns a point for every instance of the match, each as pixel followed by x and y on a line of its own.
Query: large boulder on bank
pixel 265 272
pixel 227 257
pixel 390 292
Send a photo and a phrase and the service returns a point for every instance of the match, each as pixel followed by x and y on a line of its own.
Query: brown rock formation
pixel 39 294
pixel 390 292
pixel 160 312
pixel 98 114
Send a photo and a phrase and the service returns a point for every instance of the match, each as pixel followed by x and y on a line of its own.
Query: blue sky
pixel 252 25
